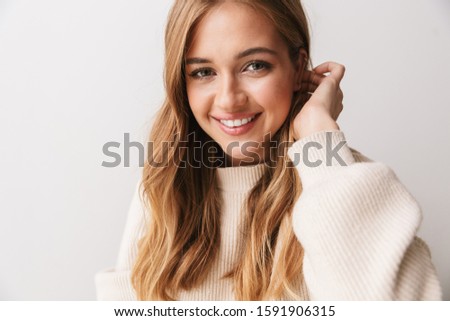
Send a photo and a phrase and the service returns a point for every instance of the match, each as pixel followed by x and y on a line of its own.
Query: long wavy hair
pixel 183 231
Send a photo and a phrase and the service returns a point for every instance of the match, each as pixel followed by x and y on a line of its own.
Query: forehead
pixel 233 26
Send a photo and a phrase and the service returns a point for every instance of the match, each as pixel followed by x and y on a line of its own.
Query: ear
pixel 300 67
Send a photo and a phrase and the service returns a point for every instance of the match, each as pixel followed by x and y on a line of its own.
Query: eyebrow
pixel 245 53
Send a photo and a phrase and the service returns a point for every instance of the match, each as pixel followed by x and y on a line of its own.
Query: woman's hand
pixel 322 109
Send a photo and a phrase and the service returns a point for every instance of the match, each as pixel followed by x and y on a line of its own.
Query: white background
pixel 77 74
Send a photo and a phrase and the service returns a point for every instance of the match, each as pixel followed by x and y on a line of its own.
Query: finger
pixel 308 87
pixel 336 70
pixel 328 66
pixel 312 77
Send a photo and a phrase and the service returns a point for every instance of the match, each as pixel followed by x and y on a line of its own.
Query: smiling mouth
pixel 237 122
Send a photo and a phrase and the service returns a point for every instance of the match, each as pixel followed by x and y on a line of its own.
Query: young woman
pixel 250 191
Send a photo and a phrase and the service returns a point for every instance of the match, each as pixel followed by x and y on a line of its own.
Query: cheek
pixel 274 95
pixel 197 101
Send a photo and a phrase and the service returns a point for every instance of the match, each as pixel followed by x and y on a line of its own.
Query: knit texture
pixel 356 222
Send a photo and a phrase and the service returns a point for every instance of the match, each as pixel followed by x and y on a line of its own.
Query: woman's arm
pixel 114 283
pixel 357 224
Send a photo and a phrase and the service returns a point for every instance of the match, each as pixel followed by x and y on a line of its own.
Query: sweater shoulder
pixel 359 157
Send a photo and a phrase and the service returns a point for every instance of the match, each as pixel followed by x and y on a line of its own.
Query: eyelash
pixel 264 66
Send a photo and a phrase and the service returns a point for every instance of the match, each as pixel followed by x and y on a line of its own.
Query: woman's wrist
pixel 311 123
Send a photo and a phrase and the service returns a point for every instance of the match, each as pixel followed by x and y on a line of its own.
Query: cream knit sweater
pixel 356 222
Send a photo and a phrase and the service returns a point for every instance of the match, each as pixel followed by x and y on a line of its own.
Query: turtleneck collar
pixel 240 178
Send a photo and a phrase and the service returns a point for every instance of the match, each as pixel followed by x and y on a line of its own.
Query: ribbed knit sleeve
pixel 114 284
pixel 357 224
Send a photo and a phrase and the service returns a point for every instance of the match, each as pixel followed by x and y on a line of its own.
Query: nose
pixel 230 97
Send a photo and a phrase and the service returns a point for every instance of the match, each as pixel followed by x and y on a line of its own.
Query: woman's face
pixel 240 80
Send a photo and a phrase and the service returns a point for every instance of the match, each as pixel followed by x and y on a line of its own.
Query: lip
pixel 234 116
pixel 237 131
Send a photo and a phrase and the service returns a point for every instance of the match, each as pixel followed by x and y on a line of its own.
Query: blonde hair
pixel 183 233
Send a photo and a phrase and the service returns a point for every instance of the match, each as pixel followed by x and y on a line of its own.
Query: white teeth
pixel 237 122
pixel 229 123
